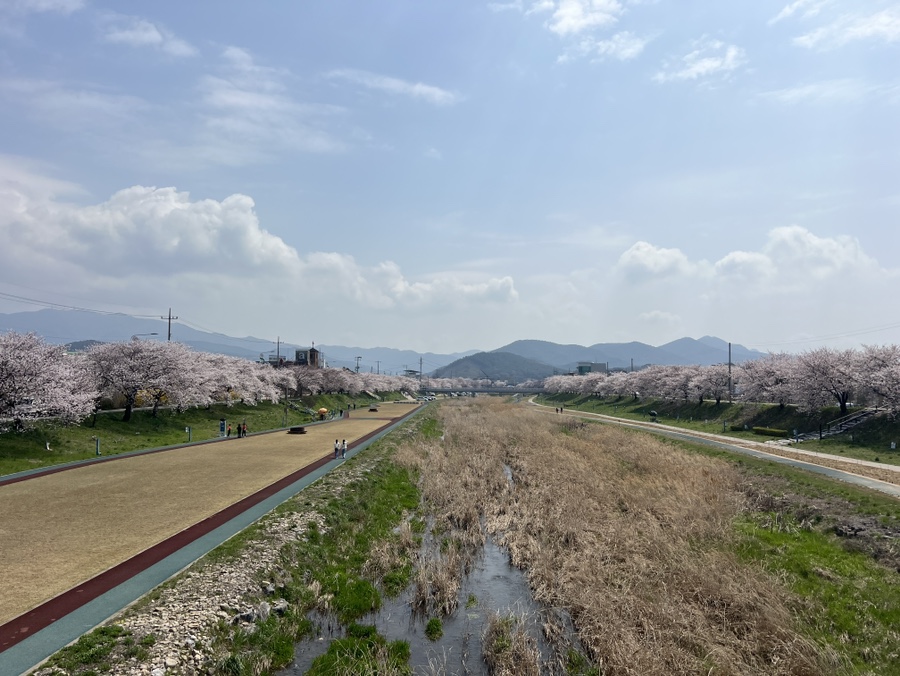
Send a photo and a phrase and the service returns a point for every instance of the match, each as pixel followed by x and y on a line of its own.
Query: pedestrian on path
pixel 337 448
pixel 244 430
pixel 228 431
pixel 344 448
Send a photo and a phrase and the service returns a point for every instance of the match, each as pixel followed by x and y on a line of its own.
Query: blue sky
pixel 452 175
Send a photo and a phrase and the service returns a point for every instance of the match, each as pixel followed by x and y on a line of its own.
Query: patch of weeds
pixel 472 601
pixel 354 597
pixel 265 646
pixel 430 428
pixel 508 648
pixel 434 629
pixel 397 580
pixel 363 651
pixel 577 664
pixel 90 652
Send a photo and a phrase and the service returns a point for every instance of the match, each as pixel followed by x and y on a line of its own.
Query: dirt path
pixel 61 529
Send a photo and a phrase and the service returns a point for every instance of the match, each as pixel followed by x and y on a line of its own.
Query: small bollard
pixel 96 445
pixel 188 430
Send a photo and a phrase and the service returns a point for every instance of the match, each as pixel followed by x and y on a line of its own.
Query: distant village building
pixel 591 367
pixel 307 357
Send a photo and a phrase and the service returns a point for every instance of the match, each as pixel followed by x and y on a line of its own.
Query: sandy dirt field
pixel 59 530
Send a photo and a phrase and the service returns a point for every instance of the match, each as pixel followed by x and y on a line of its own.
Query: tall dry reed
pixel 624 531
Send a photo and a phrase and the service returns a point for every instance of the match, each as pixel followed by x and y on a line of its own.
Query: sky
pixel 458 174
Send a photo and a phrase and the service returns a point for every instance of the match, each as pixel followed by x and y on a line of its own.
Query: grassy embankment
pixel 870 441
pixel 20 451
pixel 668 558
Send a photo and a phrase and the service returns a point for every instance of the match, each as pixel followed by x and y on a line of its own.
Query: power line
pixel 63 306
pixel 846 334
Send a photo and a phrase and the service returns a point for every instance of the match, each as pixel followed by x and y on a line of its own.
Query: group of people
pixel 340 448
pixel 240 429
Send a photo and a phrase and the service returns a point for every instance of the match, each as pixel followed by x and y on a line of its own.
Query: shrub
pixel 770 431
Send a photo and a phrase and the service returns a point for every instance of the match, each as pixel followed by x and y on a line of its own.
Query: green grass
pixel 850 603
pixel 434 629
pixel 362 651
pixel 90 653
pixel 20 451
pixel 871 440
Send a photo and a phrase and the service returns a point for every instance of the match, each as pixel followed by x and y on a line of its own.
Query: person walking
pixel 228 430
pixel 344 449
pixel 244 430
pixel 337 448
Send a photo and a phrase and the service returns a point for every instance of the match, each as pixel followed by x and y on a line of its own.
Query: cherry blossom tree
pixel 768 379
pixel 880 373
pixel 823 375
pixel 38 380
pixel 711 381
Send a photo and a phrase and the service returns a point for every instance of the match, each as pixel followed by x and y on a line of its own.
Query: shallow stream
pixel 493 586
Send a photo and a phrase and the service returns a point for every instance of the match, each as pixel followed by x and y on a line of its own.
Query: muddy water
pixel 493 586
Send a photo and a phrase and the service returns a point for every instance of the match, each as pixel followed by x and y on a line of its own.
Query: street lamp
pixel 138 335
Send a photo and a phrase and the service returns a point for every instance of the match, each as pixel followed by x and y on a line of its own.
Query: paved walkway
pixel 63 529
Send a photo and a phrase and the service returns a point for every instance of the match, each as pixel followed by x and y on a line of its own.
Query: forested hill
pixel 496 366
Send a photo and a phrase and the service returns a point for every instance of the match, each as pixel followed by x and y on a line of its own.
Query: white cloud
pixel 622 46
pixel 790 286
pixel 248 114
pixel 571 17
pixel 660 319
pixel 791 255
pixel 138 32
pixel 392 85
pixel 883 26
pixel 798 253
pixel 68 106
pixel 145 243
pixel 805 8
pixel 433 154
pixel 707 59
pixel 825 92
pixel 644 261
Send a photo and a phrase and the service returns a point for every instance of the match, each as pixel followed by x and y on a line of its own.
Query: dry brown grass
pixel 508 648
pixel 622 530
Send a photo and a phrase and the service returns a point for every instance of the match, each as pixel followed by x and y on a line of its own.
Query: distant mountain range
pixel 704 351
pixel 71 327
pixel 506 366
pixel 518 361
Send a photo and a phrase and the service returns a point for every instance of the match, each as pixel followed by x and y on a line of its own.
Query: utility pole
pixel 730 383
pixel 378 365
pixel 357 363
pixel 420 372
pixel 170 318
